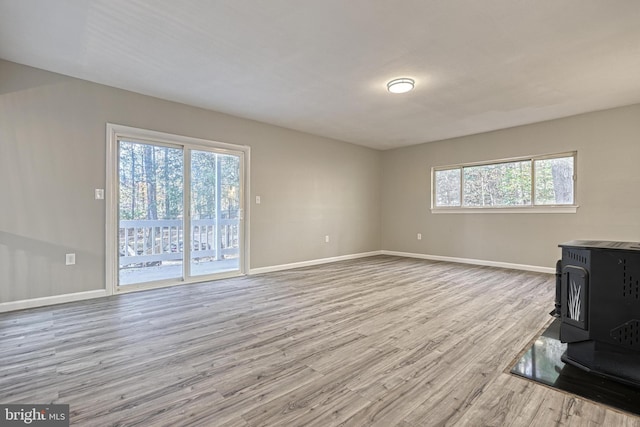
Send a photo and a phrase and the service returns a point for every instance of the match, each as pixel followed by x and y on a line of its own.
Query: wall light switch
pixel 326 238
pixel 99 193
pixel 419 236
pixel 70 259
pixel 257 200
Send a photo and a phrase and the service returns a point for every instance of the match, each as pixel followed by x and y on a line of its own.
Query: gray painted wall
pixel 52 157
pixel 608 169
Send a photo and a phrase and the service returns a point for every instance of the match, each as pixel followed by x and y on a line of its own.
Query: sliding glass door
pixel 179 212
pixel 215 212
pixel 150 212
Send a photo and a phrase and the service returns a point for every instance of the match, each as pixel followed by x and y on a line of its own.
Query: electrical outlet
pixel 419 236
pixel 70 259
pixel 326 238
pixel 257 200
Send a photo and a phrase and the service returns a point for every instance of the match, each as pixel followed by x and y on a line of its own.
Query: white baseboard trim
pixel 79 296
pixel 281 267
pixel 55 299
pixel 508 265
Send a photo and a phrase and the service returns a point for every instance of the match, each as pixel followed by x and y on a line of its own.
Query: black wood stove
pixel 598 302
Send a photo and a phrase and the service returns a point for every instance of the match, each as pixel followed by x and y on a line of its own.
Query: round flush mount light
pixel 402 85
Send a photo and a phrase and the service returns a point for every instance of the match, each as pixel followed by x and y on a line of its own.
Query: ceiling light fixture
pixel 402 85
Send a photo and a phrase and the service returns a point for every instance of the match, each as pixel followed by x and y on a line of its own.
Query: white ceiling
pixel 321 66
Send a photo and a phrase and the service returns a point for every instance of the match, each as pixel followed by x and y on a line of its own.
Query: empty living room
pixel 293 213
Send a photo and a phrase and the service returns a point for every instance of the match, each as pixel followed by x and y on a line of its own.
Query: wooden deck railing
pixel 149 242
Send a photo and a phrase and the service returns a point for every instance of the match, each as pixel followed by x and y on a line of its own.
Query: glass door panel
pixel 215 213
pixel 150 212
pixel 177 209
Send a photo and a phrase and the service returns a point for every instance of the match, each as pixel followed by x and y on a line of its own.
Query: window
pixel 532 182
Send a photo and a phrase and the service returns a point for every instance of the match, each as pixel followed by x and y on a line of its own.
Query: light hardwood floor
pixel 380 341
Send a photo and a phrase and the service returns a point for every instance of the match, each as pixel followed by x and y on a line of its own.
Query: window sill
pixel 518 210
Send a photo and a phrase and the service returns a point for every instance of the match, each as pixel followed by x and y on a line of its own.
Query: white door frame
pixel 116 132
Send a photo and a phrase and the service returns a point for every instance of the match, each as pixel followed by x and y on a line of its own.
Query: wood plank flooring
pixel 379 341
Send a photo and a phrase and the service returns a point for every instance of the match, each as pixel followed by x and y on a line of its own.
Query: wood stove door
pixel 574 297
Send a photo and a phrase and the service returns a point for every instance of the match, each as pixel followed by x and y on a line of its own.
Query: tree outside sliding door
pixel 150 209
pixel 215 212
pixel 177 209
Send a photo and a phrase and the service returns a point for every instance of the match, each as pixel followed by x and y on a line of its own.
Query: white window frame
pixel 114 132
pixel 532 208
